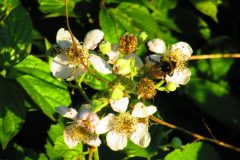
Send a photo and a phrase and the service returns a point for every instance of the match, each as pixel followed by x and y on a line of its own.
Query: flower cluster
pixel 135 81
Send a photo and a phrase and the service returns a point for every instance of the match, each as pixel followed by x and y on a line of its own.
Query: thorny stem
pixel 212 56
pixel 195 135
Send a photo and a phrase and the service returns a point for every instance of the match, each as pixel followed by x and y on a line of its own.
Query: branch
pixel 212 56
pixel 195 135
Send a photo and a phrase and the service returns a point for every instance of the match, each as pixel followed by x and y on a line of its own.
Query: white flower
pixel 83 130
pixel 180 76
pixel 157 46
pixel 182 49
pixel 68 64
pixel 126 125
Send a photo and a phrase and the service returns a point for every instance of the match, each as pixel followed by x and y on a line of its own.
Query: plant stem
pixel 195 135
pixel 212 56
pixel 96 155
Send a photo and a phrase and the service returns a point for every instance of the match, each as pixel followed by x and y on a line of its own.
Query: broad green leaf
pixel 111 28
pixel 207 7
pixel 15 37
pixel 46 91
pixel 12 110
pixel 215 99
pixel 193 151
pixel 56 8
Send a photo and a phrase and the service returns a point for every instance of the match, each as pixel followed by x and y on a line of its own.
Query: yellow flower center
pixel 125 124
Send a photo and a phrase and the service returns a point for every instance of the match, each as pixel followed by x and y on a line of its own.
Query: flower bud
pixel 105 47
pixel 116 93
pixel 171 86
pixel 176 142
pixel 143 36
pixel 122 66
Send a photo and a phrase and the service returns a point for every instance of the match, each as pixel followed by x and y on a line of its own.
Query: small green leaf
pixel 46 91
pixel 15 37
pixel 193 151
pixel 12 110
pixel 207 7
pixel 56 8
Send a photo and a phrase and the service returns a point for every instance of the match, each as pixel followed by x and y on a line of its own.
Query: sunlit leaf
pixel 111 28
pixel 194 151
pixel 56 8
pixel 12 110
pixel 34 76
pixel 207 7
pixel 15 37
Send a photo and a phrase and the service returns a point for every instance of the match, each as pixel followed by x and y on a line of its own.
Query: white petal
pixel 141 111
pixel 157 46
pixel 105 124
pixel 60 67
pixel 119 105
pixel 64 39
pixel 94 142
pixel 138 61
pixel 92 39
pixel 116 141
pixel 179 77
pixel 69 136
pixel 141 135
pixel 100 64
pixel 184 49
pixel 67 112
pixel 113 56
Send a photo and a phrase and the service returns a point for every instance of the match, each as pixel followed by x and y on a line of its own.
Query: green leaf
pixel 12 110
pixel 6 6
pixel 111 28
pixel 217 69
pixel 100 83
pixel 207 7
pixel 15 37
pixel 46 91
pixel 214 98
pixel 194 151
pixel 56 8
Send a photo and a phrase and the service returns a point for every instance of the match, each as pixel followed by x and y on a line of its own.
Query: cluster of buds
pixel 134 82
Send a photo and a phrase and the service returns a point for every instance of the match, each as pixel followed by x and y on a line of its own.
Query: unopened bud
pixel 143 36
pixel 171 87
pixel 105 47
pixel 122 66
